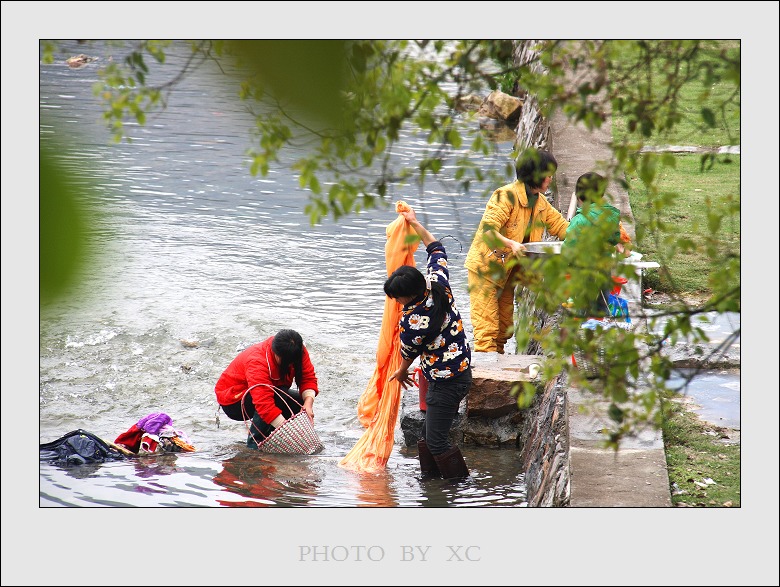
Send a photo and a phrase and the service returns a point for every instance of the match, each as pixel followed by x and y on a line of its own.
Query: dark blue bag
pixel 78 448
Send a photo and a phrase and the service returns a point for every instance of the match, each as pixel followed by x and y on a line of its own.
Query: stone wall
pixel 540 432
pixel 545 447
pixel 545 432
pixel 532 130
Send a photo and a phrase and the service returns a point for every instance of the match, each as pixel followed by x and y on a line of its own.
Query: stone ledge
pixel 494 376
pixel 489 416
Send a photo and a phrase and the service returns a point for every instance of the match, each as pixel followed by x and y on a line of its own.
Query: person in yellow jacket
pixel 515 214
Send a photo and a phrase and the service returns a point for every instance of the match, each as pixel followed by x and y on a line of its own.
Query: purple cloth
pixel 153 423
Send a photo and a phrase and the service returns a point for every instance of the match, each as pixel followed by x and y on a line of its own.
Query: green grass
pixel 696 452
pixel 687 215
pixel 690 268
pixel 694 97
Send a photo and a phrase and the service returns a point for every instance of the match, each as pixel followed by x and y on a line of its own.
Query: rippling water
pixel 200 259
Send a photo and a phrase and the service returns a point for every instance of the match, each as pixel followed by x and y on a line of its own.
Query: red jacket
pixel 254 365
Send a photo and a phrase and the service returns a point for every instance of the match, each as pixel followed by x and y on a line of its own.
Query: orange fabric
pixel 186 447
pixel 492 313
pixel 378 405
pixel 624 238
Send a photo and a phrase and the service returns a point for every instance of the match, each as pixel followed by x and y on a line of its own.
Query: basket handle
pixel 280 392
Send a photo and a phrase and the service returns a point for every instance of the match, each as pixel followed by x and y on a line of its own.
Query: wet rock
pixel 498 432
pixel 412 418
pixel 469 102
pixel 79 60
pixel 497 131
pixel 501 106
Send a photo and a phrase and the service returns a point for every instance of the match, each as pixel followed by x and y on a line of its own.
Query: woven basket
pixel 296 436
pixel 597 368
pixel 592 370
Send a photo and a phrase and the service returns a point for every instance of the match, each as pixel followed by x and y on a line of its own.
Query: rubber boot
pixel 451 464
pixel 258 431
pixel 428 466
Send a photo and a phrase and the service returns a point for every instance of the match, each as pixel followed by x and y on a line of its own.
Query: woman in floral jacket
pixel 431 328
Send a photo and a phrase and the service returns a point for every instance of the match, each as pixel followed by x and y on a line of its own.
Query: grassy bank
pixel 690 99
pixel 703 466
pixel 696 194
pixel 703 461
pixel 689 193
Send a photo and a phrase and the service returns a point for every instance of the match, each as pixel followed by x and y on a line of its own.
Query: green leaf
pixel 309 74
pixel 65 223
pixel 616 413
pixel 708 116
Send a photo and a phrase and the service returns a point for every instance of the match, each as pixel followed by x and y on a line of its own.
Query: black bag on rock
pixel 77 448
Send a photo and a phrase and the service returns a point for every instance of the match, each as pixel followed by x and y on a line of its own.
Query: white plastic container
pixel 632 291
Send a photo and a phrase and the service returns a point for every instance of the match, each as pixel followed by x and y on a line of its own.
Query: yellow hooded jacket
pixel 507 212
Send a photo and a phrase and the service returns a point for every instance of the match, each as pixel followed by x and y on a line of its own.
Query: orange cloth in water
pixel 378 406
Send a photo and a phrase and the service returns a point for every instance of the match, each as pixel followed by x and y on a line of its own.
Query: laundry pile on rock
pixel 152 434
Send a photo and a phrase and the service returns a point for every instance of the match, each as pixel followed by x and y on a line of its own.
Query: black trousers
pixel 289 401
pixel 443 399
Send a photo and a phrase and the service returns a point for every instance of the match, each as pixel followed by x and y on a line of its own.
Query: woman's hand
pixel 622 250
pixel 425 236
pixel 308 405
pixel 410 216
pixel 403 377
pixel 516 247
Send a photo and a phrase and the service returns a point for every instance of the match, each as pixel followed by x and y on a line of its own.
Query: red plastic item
pixel 619 282
pixel 422 385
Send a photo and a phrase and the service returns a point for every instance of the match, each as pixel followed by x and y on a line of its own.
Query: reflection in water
pixel 267 479
pixel 247 478
pixel 85 471
pixel 495 480
pixel 155 465
pixel 374 490
pixel 194 249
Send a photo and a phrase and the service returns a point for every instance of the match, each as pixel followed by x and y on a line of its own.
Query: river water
pixel 187 260
pixel 200 259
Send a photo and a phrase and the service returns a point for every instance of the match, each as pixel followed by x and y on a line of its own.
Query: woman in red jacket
pixel 256 384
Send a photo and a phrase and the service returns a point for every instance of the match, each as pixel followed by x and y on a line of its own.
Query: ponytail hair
pixel 288 344
pixel 404 282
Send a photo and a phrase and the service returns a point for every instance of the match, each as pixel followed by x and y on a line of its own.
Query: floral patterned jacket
pixel 447 353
